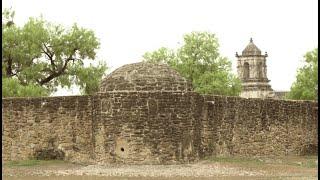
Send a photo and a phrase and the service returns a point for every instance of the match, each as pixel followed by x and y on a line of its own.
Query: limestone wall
pixel 155 127
pixel 43 125
pixel 114 127
pixel 256 127
pixel 145 127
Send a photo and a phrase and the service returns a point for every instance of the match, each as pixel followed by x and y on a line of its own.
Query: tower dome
pixel 251 49
pixel 145 76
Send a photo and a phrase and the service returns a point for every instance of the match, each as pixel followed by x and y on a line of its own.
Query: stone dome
pixel 145 76
pixel 251 49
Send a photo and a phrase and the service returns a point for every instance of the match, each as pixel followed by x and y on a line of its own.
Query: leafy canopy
pixel 198 60
pixel 40 56
pixel 306 85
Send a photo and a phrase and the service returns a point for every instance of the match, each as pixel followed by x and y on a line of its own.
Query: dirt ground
pixel 305 167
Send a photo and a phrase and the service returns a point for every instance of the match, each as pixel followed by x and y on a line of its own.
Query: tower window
pixel 260 70
pixel 246 73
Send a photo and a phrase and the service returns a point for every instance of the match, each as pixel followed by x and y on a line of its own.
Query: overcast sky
pixel 286 29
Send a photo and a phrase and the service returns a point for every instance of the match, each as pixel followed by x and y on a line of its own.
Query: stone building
pixel 252 70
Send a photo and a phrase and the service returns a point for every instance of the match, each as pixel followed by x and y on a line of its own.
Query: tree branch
pixel 50 56
pixel 58 73
pixel 9 67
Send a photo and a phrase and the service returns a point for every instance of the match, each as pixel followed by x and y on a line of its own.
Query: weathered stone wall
pixel 146 127
pixel 155 127
pixel 114 127
pixel 257 127
pixel 34 127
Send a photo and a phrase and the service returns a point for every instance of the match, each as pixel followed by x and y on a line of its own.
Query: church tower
pixel 252 70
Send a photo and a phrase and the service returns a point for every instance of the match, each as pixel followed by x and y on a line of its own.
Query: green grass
pixel 310 164
pixel 307 162
pixel 300 161
pixel 236 160
pixel 32 162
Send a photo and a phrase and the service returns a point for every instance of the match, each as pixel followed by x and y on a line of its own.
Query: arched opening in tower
pixel 260 70
pixel 246 73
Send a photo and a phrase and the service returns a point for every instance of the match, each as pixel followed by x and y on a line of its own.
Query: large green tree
pixel 40 56
pixel 199 60
pixel 305 86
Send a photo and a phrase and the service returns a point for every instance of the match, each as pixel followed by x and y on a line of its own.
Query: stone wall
pixel 114 127
pixel 257 127
pixel 155 127
pixel 37 126
pixel 146 127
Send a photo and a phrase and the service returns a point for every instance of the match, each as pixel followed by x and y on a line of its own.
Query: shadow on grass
pixel 32 162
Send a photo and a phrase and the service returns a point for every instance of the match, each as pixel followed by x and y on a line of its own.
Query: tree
pixel 41 56
pixel 305 86
pixel 198 60
pixel 162 55
pixel 12 88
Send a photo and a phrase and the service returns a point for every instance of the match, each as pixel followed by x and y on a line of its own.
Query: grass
pixel 310 164
pixel 236 160
pixel 298 161
pixel 32 162
pixel 303 161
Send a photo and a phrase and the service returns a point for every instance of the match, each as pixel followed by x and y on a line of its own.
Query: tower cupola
pixel 252 70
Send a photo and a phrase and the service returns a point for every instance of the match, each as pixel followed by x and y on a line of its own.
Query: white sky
pixel 286 29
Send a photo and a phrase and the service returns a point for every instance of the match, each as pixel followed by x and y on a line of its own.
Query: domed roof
pixel 251 49
pixel 145 76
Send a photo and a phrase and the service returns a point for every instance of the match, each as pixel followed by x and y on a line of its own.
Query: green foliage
pixel 87 78
pixel 198 60
pixel 219 82
pixel 43 55
pixel 12 88
pixel 306 85
pixel 162 55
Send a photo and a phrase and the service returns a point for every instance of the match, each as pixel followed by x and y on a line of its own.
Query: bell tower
pixel 252 70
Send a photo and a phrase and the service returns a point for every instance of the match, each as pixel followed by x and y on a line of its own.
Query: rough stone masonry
pixel 149 114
